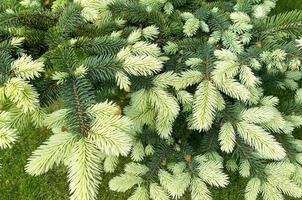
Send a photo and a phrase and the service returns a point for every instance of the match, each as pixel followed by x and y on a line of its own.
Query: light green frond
pixel 25 68
pixel 157 192
pixel 270 101
pixel 111 134
pixel 168 8
pixel 204 106
pixel 142 65
pixel 167 110
pixel 297 145
pixel 7 137
pixel 22 94
pixel 299 158
pixel 297 177
pixel 170 48
pixel 295 120
pixel 5 118
pixel 19 119
pixel 56 119
pixel 199 190
pixel 298 96
pixel 211 173
pixel 227 137
pixel 204 27
pixel 51 153
pixel 277 123
pixel 282 168
pixel 165 80
pixel 124 53
pixel 150 32
pixel 17 41
pixel 270 192
pixel 286 185
pixel 193 62
pixel 231 165
pixel 136 169
pixel 38 117
pixel 145 48
pixel 186 99
pixel 174 184
pixel 134 36
pixel 84 168
pixel 138 152
pixel 2 95
pixel 140 193
pixel 225 69
pixel 209 156
pixel 177 168
pixel 123 81
pixel 232 41
pixel 105 108
pixel 124 182
pixel 252 189
pixel 149 150
pixel 188 78
pixel 234 89
pixel 245 168
pixel 110 163
pixel 258 115
pixel 140 99
pixel 220 102
pixel 60 77
pixel 191 26
pixel 247 77
pixel 261 140
pixel 224 54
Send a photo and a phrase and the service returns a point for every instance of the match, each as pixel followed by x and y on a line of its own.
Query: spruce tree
pixel 182 94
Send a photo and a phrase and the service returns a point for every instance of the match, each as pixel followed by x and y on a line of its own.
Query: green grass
pixel 15 184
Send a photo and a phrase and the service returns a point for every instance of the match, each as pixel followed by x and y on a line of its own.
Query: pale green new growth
pixel 84 168
pixel 136 169
pixel 191 26
pixel 110 131
pixel 7 137
pixel 167 109
pixel 270 192
pixel 138 152
pixel 211 173
pixel 157 192
pixel 140 193
pixel 188 78
pixel 261 140
pixel 52 152
pixel 227 137
pixel 142 65
pixel 199 190
pixel 124 182
pixel 258 115
pixel 26 68
pixel 204 106
pixel 110 163
pixel 22 94
pixel 245 168
pixel 175 184
pixel 252 189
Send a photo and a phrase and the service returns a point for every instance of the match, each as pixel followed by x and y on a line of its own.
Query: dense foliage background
pixel 16 184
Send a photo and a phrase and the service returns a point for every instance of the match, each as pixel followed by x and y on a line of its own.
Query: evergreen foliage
pixel 188 91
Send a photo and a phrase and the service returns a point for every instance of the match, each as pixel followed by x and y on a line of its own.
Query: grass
pixel 15 184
